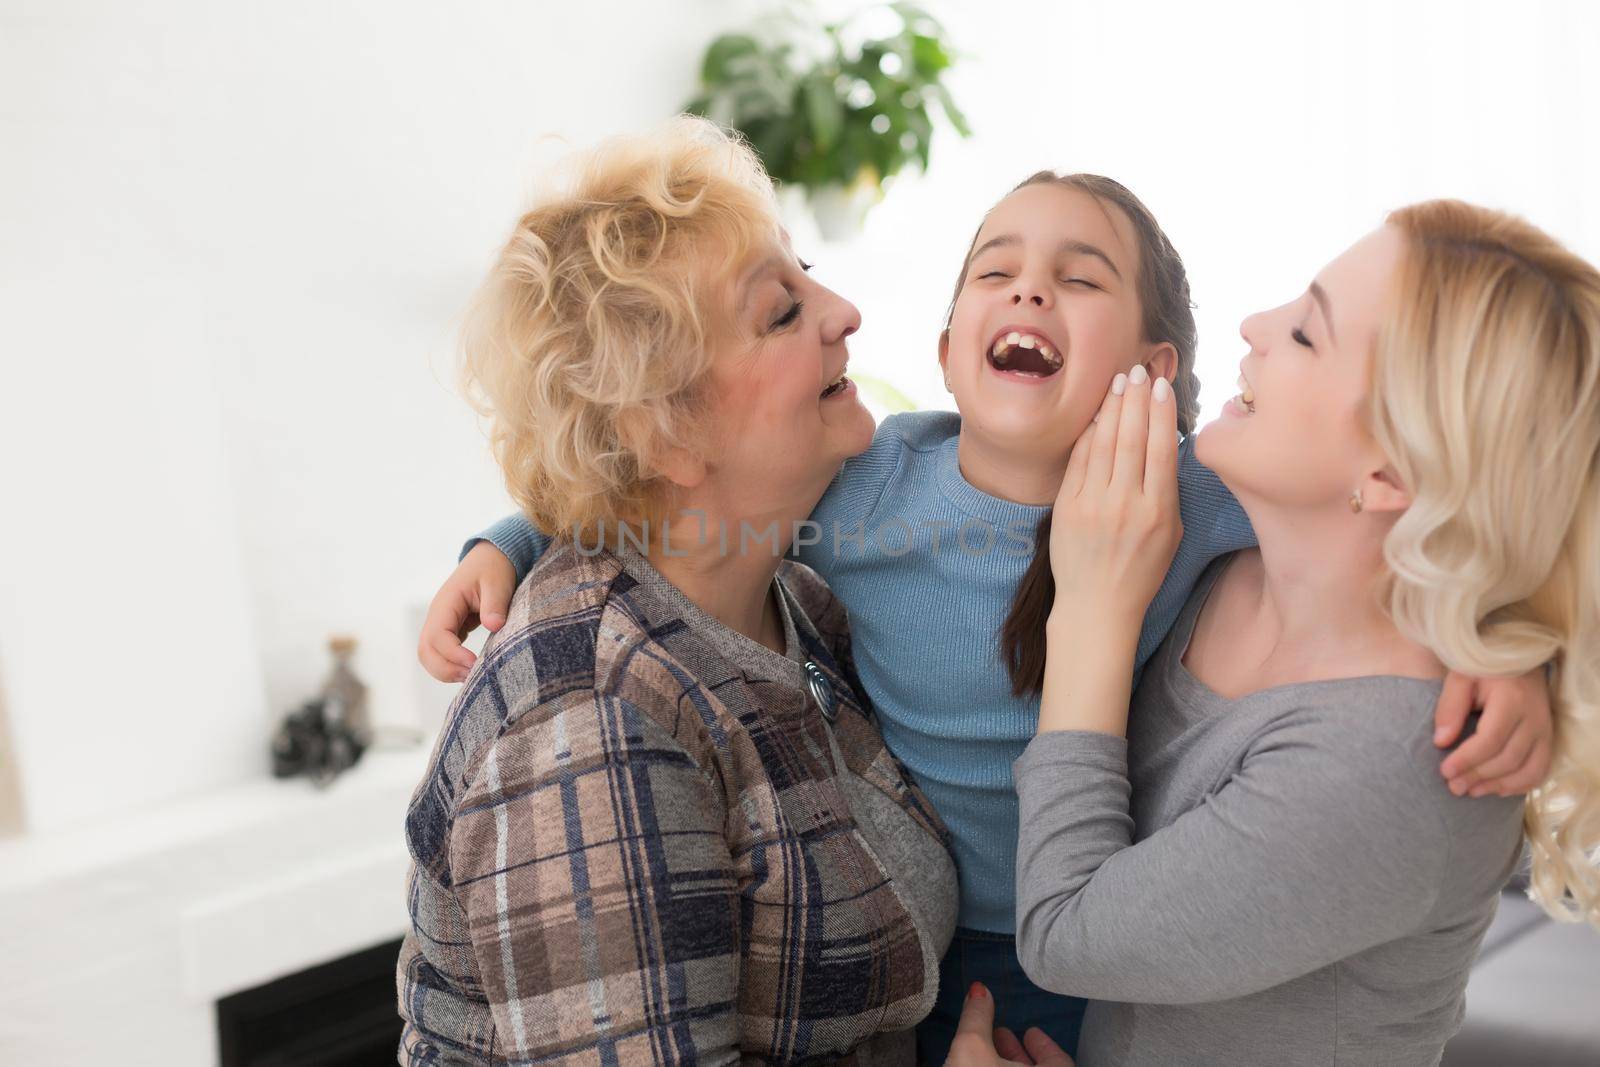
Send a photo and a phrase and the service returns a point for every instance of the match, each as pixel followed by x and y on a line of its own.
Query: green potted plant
pixel 832 110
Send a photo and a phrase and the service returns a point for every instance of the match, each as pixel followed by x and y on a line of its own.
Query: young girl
pixel 930 539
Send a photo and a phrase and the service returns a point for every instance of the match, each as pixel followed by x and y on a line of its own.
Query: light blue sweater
pixel 901 541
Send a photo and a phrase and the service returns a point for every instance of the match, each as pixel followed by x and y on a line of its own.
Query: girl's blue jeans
pixel 977 956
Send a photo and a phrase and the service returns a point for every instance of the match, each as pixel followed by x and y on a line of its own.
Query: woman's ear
pixel 678 464
pixel 1381 490
pixel 1161 361
pixel 944 351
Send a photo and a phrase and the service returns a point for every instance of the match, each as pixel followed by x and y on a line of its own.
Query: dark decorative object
pixel 328 734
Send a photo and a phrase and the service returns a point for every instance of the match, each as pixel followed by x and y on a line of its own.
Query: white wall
pixel 234 240
pixel 10 779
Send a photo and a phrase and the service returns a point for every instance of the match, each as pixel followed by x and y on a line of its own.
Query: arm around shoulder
pixel 516 539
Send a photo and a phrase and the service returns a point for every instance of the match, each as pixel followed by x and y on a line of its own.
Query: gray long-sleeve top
pixel 1291 881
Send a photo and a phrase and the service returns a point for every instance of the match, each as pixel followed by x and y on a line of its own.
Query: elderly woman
pixel 660 824
pixel 1262 865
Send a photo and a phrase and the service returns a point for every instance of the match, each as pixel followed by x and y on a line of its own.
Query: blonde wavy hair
pixel 588 345
pixel 1486 396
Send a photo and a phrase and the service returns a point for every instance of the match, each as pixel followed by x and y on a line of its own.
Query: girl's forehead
pixel 1050 213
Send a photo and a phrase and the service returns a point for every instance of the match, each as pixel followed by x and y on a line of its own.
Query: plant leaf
pixel 928 56
pixel 786 86
pixel 714 67
pixel 957 119
pixel 824 110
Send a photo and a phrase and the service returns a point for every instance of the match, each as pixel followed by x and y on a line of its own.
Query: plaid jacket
pixel 626 850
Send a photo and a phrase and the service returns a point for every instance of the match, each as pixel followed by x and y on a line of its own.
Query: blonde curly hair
pixel 1486 396
pixel 588 345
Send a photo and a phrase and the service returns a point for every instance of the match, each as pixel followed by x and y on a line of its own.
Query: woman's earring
pixel 1355 502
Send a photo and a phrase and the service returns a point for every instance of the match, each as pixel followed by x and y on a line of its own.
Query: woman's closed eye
pixel 1300 337
pixel 789 316
pixel 792 312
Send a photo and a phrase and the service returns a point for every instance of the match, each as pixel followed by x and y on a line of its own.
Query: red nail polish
pixel 977 991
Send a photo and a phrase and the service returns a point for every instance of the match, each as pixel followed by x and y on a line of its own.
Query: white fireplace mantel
pixel 120 935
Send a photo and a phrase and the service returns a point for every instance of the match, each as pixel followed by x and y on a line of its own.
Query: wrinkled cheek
pixel 777 425
pixel 732 427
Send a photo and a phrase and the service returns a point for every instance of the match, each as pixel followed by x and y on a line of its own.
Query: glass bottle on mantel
pixel 344 695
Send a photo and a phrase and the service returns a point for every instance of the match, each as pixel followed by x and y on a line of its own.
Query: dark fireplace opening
pixel 339 1014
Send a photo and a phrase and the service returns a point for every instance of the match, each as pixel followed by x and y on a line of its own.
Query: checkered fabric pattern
pixel 627 850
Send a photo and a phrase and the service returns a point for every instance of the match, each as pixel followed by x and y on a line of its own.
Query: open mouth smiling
pixel 838 385
pixel 1024 352
pixel 1246 398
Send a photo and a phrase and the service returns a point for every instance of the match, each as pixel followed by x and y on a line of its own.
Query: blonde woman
pixel 660 824
pixel 1267 869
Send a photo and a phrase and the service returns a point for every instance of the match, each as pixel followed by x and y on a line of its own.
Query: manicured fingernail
pixel 1161 391
pixel 1440 734
pixel 1118 384
pixel 977 992
pixel 1138 375
pixel 1458 786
